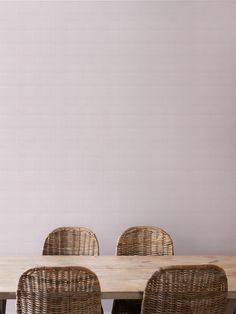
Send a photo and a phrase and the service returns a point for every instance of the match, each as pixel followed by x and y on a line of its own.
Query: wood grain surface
pixel 120 276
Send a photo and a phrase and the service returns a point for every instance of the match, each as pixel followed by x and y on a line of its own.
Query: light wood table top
pixel 121 277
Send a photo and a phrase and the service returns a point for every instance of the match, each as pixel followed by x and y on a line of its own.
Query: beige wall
pixel 118 113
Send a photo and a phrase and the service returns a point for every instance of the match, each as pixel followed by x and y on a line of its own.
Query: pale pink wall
pixel 118 113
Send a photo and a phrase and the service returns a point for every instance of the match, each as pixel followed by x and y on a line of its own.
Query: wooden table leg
pixel 3 306
pixel 231 309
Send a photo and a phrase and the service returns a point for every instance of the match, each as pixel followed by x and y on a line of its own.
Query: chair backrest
pixel 191 289
pixel 71 241
pixel 59 290
pixel 144 240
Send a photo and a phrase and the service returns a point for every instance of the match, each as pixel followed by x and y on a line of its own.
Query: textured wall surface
pixel 118 113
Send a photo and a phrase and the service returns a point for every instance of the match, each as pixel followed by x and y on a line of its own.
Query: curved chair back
pixel 71 241
pixel 59 290
pixel 191 289
pixel 144 240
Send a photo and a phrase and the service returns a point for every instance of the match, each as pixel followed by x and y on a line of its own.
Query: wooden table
pixel 121 277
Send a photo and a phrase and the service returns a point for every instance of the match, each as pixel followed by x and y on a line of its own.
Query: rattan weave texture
pixel 144 240
pixel 191 289
pixel 59 290
pixel 71 241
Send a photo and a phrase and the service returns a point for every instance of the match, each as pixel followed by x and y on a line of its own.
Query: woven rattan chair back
pixel 71 241
pixel 144 240
pixel 59 290
pixel 200 289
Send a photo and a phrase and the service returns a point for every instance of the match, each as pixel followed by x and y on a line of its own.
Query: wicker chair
pixel 59 290
pixel 71 241
pixel 141 240
pixel 192 289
